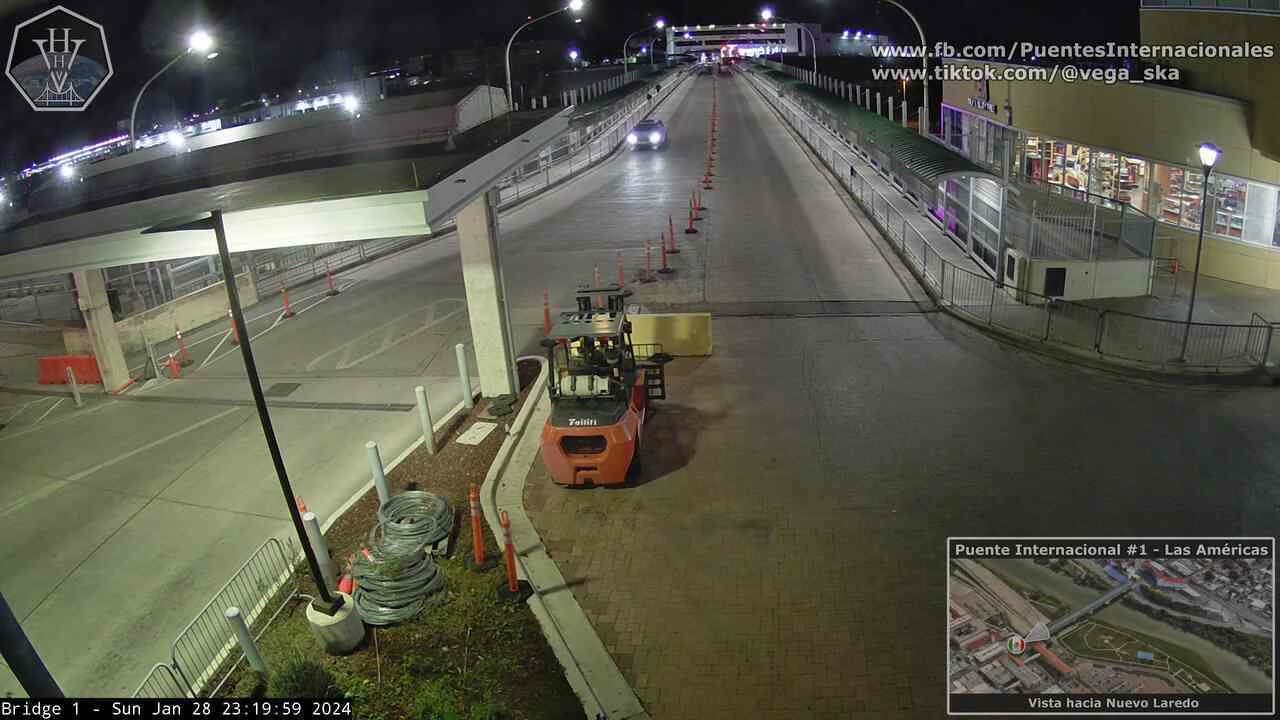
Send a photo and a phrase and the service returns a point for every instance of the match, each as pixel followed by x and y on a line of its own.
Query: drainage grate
pixel 280 390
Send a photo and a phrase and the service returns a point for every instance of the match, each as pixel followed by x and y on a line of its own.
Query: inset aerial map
pixel 1113 626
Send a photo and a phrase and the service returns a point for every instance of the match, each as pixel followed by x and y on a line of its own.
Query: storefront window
pixel 1057 158
pixel 1260 219
pixel 1132 183
pixel 1171 201
pixel 1034 164
pixel 1228 206
pixel 1075 169
pixel 1191 199
pixel 1104 179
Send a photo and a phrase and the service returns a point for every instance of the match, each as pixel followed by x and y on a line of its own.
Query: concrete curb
pixel 588 667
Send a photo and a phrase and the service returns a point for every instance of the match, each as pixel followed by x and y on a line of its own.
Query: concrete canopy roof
pixel 337 204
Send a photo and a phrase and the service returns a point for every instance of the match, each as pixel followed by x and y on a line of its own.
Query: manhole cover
pixel 280 390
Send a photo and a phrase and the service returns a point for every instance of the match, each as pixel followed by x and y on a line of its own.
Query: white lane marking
pixel 40 493
pixel 64 418
pixel 20 408
pixel 344 350
pixel 209 358
pixel 46 412
pixel 178 433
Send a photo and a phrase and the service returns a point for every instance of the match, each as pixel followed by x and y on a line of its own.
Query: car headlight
pixel 655 137
pixel 632 139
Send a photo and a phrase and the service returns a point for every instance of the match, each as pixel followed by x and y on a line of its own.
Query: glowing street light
pixel 574 6
pixel 175 139
pixel 573 55
pixel 766 14
pixel 66 172
pixel 351 103
pixel 199 42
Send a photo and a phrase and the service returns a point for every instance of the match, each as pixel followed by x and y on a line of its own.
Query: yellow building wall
pixel 1256 81
pixel 1154 122
pixel 1149 120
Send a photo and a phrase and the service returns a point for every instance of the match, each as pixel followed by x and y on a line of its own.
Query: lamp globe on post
pixel 198 42
pixel 1209 155
pixel 574 6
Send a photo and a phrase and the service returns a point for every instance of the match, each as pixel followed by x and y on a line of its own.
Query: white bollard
pixel 890 108
pixel 375 469
pixel 464 376
pixel 424 416
pixel 544 102
pixel 328 568
pixel 245 639
pixel 75 387
pixel 879 108
pixel 904 112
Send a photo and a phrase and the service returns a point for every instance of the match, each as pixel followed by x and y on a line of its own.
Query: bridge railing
pixel 573 152
pixel 1115 337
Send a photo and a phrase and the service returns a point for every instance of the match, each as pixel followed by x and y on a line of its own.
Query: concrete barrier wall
pixel 187 312
pixel 681 334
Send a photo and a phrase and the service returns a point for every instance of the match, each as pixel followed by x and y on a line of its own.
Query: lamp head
pixel 200 42
pixel 576 5
pixel 660 24
pixel 573 54
pixel 1209 154
pixel 766 14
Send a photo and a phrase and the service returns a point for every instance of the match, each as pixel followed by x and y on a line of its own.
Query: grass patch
pixel 1102 641
pixel 470 657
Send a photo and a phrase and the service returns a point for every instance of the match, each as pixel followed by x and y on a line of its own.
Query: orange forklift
pixel 601 385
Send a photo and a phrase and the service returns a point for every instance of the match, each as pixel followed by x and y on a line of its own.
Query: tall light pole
pixel 328 602
pixel 660 24
pixel 1209 154
pixel 924 61
pixel 574 6
pixel 198 42
pixel 767 14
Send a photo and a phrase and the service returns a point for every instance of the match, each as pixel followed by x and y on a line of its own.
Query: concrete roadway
pixel 802 482
pixel 782 555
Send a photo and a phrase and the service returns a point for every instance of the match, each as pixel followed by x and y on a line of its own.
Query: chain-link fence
pixel 1109 335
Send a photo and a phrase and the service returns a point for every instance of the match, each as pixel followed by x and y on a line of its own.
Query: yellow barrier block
pixel 681 334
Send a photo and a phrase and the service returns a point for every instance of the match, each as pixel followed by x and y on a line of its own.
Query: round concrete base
pixel 341 633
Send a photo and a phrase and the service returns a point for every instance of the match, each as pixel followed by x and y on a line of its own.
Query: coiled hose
pixel 397 576
pixel 412 519
pixel 392 588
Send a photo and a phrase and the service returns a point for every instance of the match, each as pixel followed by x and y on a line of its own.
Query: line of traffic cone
pixel 288 309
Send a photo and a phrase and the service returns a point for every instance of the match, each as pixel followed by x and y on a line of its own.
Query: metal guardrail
pixel 577 150
pixel 205 653
pixel 1115 336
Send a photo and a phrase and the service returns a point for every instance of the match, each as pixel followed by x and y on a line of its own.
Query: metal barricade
pixel 162 683
pixel 205 653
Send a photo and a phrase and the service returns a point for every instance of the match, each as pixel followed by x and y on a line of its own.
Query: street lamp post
pixel 328 602
pixel 574 6
pixel 924 61
pixel 1209 154
pixel 199 42
pixel 660 24
pixel 767 15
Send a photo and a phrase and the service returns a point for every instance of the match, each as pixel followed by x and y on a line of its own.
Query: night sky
pixel 271 44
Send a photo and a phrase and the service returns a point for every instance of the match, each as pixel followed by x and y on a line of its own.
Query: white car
pixel 650 134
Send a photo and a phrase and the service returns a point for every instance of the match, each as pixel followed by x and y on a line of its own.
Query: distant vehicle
pixel 648 133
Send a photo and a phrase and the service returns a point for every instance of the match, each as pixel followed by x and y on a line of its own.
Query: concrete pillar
pixel 486 296
pixel 92 289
